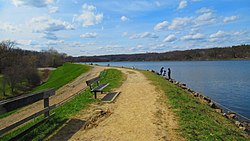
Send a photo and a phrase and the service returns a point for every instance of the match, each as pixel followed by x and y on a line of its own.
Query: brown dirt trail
pixel 137 114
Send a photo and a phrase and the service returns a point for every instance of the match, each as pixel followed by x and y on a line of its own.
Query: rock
pixel 183 86
pixel 190 90
pixel 218 110
pixel 232 115
pixel 237 123
pixel 242 128
pixel 225 115
pixel 207 99
pixel 196 94
pixel 212 105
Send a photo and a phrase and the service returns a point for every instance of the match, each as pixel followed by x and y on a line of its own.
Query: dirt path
pixel 138 114
pixel 61 94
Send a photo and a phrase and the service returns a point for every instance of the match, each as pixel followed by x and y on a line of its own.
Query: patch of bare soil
pixel 61 95
pixel 139 113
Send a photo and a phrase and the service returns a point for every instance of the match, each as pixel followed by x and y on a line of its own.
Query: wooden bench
pixel 98 88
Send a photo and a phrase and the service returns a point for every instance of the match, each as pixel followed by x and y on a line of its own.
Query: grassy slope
pixel 69 109
pixel 197 121
pixel 58 78
pixel 63 75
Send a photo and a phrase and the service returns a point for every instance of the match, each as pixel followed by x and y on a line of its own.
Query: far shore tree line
pixel 240 52
pixel 18 68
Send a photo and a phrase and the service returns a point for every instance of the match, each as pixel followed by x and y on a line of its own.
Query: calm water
pixel 226 82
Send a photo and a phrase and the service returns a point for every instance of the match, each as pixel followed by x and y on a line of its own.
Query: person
pixel 164 73
pixel 169 73
pixel 161 71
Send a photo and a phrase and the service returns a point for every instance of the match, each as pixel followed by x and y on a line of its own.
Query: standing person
pixel 161 71
pixel 169 73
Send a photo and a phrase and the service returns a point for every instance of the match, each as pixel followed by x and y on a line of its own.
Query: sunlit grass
pixel 197 121
pixel 63 75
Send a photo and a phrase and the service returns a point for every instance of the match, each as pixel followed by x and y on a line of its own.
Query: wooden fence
pixel 24 100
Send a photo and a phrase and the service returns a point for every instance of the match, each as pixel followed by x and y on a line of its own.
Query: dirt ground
pixel 62 94
pixel 139 113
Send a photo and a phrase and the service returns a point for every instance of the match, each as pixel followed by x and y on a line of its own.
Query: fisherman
pixel 161 71
pixel 169 73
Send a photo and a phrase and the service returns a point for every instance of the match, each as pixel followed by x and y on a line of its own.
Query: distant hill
pixel 240 52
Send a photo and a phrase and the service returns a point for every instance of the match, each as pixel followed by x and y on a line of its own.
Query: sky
pixel 103 27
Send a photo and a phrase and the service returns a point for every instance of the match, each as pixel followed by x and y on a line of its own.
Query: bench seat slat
pixel 96 79
pixel 100 87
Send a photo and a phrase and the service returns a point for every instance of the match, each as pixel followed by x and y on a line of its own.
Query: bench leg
pixel 95 95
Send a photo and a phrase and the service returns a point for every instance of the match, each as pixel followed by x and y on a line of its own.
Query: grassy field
pixel 197 121
pixel 63 75
pixel 69 109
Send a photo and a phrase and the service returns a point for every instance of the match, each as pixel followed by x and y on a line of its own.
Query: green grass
pixel 67 110
pixel 197 121
pixel 58 78
pixel 113 77
pixel 63 75
pixel 1 91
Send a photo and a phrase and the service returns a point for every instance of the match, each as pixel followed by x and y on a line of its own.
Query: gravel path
pixel 138 114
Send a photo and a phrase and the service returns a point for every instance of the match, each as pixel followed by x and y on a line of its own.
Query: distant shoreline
pixel 240 52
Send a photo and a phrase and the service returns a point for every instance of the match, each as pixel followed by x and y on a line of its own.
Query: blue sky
pixel 98 27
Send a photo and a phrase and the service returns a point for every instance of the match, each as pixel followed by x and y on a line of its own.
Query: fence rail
pixel 24 100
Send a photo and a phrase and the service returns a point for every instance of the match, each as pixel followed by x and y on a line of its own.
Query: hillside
pixel 240 52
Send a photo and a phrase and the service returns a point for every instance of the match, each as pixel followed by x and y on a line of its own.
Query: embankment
pixel 196 119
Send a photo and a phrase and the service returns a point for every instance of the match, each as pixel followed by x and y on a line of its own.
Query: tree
pixel 5 51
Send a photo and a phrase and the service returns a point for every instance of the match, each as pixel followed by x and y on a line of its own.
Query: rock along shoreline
pixel 240 121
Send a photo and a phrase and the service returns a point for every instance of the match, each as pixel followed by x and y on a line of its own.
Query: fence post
pixel 46 105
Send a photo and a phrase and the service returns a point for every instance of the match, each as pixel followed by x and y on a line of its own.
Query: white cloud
pixel 88 35
pixel 160 45
pixel 143 35
pixel 8 27
pixel 124 18
pixel 24 42
pixel 196 36
pixel 204 10
pixel 218 34
pixel 161 25
pixel 169 38
pixel 53 9
pixel 33 3
pixel 49 36
pixel 55 42
pixel 230 19
pixel 48 24
pixel 157 3
pixel 124 34
pixel 139 46
pixel 182 4
pixel 89 17
pixel 237 33
pixel 179 23
pixel 205 18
